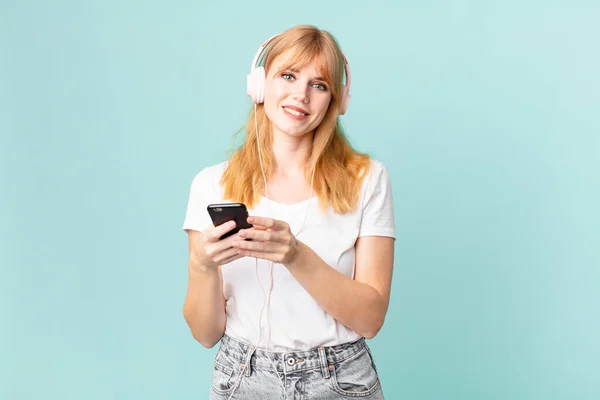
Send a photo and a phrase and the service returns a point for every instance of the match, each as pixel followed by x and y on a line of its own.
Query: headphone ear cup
pixel 345 101
pixel 255 85
pixel 261 84
pixel 252 84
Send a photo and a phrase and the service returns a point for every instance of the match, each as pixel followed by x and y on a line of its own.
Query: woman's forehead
pixel 294 59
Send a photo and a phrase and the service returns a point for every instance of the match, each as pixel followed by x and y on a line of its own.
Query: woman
pixel 292 306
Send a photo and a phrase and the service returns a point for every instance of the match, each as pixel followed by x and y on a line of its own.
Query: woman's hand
pixel 271 240
pixel 207 251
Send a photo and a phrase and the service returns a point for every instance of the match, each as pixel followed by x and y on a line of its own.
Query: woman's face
pixel 296 101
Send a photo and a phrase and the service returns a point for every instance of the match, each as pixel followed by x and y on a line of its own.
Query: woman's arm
pixel 204 307
pixel 360 304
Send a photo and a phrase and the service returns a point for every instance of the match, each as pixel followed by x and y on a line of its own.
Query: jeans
pixel 345 371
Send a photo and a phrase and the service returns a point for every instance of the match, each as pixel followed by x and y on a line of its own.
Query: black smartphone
pixel 221 213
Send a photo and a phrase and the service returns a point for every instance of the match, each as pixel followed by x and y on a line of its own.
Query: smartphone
pixel 221 213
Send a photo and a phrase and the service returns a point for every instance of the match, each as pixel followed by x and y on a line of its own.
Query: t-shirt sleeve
pixel 196 217
pixel 378 205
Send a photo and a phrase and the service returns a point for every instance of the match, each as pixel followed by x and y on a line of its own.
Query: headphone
pixel 255 80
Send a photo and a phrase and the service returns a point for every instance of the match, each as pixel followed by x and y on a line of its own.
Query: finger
pixel 264 255
pixel 260 234
pixel 267 223
pixel 218 231
pixel 269 247
pixel 231 259
pixel 228 241
pixel 222 245
pixel 228 256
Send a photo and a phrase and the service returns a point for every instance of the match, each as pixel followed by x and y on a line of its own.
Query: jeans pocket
pixel 355 376
pixel 223 378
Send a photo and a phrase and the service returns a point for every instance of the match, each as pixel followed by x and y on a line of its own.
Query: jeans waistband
pixel 290 362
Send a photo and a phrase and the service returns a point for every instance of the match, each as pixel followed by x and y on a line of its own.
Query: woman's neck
pixel 291 153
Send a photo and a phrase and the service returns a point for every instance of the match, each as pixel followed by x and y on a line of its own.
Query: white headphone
pixel 255 80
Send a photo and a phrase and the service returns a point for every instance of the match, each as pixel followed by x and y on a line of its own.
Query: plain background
pixel 485 112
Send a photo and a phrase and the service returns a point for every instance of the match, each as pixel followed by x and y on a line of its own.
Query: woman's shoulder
pixel 376 178
pixel 374 169
pixel 207 180
pixel 376 164
pixel 212 172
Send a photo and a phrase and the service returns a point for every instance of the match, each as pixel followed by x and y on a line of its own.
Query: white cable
pixel 270 267
pixel 268 299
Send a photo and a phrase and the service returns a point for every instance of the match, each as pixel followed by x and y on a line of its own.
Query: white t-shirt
pixel 297 322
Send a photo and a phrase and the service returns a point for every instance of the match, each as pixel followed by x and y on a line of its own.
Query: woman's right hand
pixel 207 251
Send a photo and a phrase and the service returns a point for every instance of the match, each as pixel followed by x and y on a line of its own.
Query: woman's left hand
pixel 271 240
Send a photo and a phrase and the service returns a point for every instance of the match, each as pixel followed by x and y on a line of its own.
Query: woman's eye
pixel 320 86
pixel 287 76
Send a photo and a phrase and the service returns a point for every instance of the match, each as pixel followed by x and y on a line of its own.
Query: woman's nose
pixel 301 92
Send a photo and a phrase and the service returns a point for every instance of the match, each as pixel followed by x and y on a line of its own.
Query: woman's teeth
pixel 294 112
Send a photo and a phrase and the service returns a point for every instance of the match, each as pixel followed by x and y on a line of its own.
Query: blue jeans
pixel 346 371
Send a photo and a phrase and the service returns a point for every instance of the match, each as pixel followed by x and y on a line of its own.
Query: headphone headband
pixel 255 81
pixel 261 49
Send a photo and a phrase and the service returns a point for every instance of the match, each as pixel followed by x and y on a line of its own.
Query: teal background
pixel 486 114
